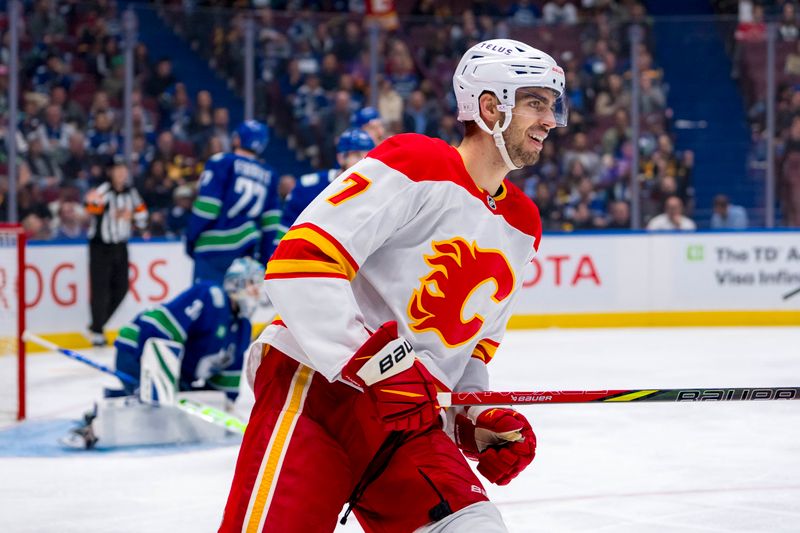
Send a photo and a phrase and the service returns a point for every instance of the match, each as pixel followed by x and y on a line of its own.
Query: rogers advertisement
pixel 57 283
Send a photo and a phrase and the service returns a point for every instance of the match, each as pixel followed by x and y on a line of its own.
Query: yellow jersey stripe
pixel 489 347
pixel 327 247
pixel 303 266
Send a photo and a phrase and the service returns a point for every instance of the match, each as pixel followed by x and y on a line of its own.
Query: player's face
pixel 252 289
pixel 533 118
pixel 376 130
pixel 351 158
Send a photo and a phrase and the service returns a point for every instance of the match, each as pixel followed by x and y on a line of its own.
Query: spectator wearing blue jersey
pixel 236 211
pixel 353 145
pixel 211 321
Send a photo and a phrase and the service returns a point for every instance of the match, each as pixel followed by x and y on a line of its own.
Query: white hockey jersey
pixel 403 235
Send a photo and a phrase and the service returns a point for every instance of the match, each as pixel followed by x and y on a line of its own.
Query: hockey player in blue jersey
pixel 210 321
pixel 369 120
pixel 236 213
pixel 353 145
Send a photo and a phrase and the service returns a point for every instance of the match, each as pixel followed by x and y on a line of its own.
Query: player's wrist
pixel 384 354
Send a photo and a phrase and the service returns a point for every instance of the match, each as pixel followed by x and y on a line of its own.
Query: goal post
pixel 12 322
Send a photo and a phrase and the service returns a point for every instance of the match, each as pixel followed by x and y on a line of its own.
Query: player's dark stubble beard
pixel 515 139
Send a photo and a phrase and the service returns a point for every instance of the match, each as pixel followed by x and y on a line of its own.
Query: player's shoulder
pixel 210 291
pixel 419 157
pixel 248 164
pixel 519 211
pixel 220 156
pixel 312 179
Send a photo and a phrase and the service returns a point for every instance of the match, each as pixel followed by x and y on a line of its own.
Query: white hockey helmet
pixel 501 66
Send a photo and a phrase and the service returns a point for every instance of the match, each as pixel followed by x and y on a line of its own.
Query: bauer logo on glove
pixel 387 369
pixel 381 366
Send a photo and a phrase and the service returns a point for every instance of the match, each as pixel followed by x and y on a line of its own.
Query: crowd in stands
pixel 70 123
pixel 749 44
pixel 313 72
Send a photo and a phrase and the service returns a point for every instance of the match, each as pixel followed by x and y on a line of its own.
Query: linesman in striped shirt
pixel 115 207
pixel 236 212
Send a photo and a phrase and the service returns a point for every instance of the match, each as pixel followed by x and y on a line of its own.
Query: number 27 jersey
pixel 405 235
pixel 237 202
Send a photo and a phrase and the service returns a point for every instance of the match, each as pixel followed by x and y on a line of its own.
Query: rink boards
pixel 576 280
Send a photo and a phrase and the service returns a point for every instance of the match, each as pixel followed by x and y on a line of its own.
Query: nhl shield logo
pixel 490 201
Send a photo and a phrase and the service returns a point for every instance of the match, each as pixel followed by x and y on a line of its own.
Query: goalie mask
pixel 242 282
pixel 501 67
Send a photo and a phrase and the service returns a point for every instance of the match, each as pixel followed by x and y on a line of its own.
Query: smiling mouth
pixel 538 139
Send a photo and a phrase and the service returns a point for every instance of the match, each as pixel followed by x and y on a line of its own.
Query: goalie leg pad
pixel 122 422
pixel 127 361
pixel 160 372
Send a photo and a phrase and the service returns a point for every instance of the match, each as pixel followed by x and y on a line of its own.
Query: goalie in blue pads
pixel 211 324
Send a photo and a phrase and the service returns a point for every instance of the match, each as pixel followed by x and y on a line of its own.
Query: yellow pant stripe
pixel 264 487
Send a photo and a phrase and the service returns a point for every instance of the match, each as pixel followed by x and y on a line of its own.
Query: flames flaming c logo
pixel 458 270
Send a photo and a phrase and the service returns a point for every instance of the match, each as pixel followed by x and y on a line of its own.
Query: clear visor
pixel 541 103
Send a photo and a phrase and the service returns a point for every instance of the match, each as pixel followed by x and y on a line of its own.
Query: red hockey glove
pixel 387 369
pixel 500 439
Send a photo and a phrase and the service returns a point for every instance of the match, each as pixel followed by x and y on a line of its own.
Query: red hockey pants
pixel 306 447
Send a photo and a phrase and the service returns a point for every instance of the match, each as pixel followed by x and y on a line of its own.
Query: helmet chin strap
pixel 497 135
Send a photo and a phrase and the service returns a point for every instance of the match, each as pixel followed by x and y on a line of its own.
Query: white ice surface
pixel 705 467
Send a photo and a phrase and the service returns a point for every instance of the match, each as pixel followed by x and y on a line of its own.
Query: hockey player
pixel 368 119
pixel 236 211
pixel 395 283
pixel 353 145
pixel 212 322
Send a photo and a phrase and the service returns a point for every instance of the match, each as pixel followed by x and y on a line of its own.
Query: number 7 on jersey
pixel 356 185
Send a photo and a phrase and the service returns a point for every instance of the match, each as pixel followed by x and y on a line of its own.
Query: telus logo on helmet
pixel 499 49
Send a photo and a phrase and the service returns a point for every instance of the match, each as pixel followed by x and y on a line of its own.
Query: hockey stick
pixel 44 343
pixel 447 399
pixel 210 414
pixel 791 293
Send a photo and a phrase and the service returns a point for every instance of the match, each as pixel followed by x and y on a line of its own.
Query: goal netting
pixel 12 323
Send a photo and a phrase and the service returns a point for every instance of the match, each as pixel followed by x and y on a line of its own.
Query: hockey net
pixel 12 323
